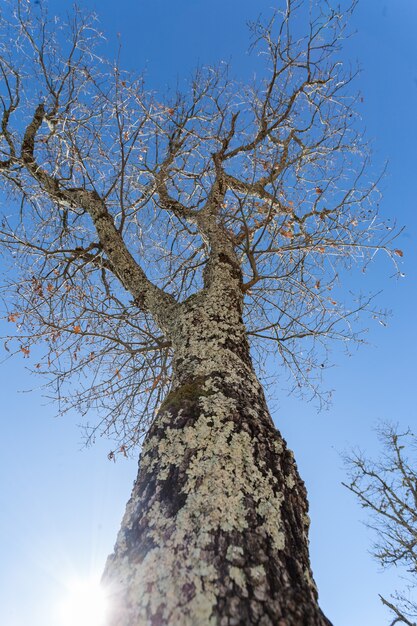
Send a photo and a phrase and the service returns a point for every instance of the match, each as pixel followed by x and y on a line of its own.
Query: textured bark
pixel 216 529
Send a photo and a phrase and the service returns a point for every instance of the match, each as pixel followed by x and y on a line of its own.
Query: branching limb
pixel 146 294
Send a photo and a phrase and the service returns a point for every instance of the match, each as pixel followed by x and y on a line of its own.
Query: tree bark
pixel 215 532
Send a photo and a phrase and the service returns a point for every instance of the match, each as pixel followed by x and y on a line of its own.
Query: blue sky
pixel 61 506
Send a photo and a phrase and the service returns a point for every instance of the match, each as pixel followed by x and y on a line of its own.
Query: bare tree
pixel 388 489
pixel 151 242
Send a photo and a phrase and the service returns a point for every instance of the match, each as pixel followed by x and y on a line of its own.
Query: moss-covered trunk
pixel 216 529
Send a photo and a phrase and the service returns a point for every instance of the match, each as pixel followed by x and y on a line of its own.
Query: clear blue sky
pixel 61 506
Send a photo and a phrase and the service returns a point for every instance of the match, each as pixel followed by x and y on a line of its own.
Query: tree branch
pixel 146 295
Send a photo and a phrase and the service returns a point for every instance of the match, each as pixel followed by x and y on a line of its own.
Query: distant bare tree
pixel 150 241
pixel 388 489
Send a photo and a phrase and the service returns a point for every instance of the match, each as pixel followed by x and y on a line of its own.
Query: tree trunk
pixel 215 532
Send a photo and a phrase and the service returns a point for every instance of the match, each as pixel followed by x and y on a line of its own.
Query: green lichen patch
pixel 185 394
pixel 234 554
pixel 238 576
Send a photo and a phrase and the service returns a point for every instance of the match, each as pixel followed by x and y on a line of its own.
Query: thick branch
pixel 147 295
pixel 256 190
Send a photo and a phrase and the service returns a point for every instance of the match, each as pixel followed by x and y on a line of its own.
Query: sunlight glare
pixel 85 604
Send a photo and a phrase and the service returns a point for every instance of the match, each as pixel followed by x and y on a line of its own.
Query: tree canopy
pixel 89 157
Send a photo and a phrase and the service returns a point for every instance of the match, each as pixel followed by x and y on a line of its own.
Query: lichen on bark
pixel 216 528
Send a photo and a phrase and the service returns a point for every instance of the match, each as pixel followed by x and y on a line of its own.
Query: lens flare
pixel 84 604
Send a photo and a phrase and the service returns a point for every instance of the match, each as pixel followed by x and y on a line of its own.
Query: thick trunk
pixel 216 529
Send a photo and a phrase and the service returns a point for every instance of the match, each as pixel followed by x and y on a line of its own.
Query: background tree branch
pixel 387 488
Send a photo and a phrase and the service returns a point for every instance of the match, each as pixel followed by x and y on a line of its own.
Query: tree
pixel 388 489
pixel 157 245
